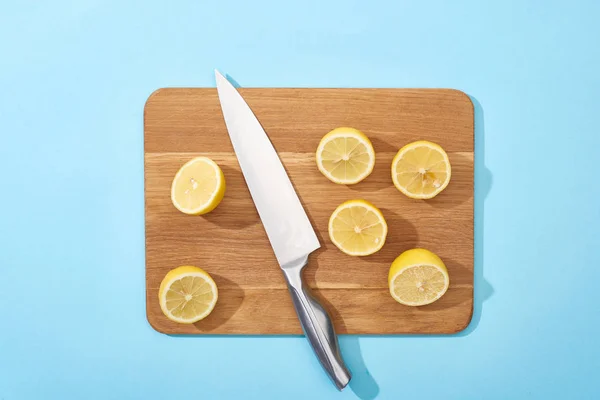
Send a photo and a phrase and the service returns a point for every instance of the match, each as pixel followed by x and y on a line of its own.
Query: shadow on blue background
pixel 483 290
pixel 233 81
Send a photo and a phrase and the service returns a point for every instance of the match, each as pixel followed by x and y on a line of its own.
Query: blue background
pixel 74 76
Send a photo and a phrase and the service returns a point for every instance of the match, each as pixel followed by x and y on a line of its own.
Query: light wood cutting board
pixel 231 244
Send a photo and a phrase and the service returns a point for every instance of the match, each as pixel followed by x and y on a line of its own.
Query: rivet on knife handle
pixel 316 324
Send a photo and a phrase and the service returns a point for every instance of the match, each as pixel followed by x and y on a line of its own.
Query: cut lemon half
pixel 198 187
pixel 187 294
pixel 421 170
pixel 345 156
pixel 418 277
pixel 357 228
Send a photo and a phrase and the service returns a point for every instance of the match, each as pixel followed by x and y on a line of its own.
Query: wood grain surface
pixel 231 244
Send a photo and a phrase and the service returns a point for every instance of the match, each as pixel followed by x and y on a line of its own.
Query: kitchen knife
pixel 288 228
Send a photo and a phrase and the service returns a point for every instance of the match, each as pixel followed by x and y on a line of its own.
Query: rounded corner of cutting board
pixel 152 321
pixel 463 326
pixel 459 93
pixel 152 95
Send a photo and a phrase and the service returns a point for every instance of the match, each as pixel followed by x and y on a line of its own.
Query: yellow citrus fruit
pixel 357 228
pixel 198 187
pixel 421 170
pixel 187 294
pixel 345 156
pixel 418 277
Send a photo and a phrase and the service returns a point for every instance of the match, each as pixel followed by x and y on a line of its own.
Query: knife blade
pixel 284 219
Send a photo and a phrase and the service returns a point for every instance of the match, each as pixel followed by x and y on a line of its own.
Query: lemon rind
pixel 411 146
pixel 361 203
pixel 346 132
pixel 416 304
pixel 163 297
pixel 209 203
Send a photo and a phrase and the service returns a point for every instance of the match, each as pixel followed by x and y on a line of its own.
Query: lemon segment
pixel 187 294
pixel 345 156
pixel 418 277
pixel 421 170
pixel 198 187
pixel 357 228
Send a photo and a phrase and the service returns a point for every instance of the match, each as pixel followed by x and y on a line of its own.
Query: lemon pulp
pixel 421 170
pixel 357 228
pixel 187 294
pixel 198 187
pixel 418 277
pixel 345 156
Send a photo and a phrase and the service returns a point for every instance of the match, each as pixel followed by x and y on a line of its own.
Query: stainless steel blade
pixel 284 219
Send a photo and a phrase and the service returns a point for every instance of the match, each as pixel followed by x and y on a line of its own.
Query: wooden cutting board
pixel 231 244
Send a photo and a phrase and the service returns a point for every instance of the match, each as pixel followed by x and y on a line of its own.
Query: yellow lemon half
pixel 421 170
pixel 357 228
pixel 418 277
pixel 198 187
pixel 345 156
pixel 187 294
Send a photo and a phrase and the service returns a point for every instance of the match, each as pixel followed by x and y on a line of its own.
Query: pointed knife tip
pixel 218 75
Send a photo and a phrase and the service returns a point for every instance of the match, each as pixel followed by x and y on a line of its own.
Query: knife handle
pixel 316 324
